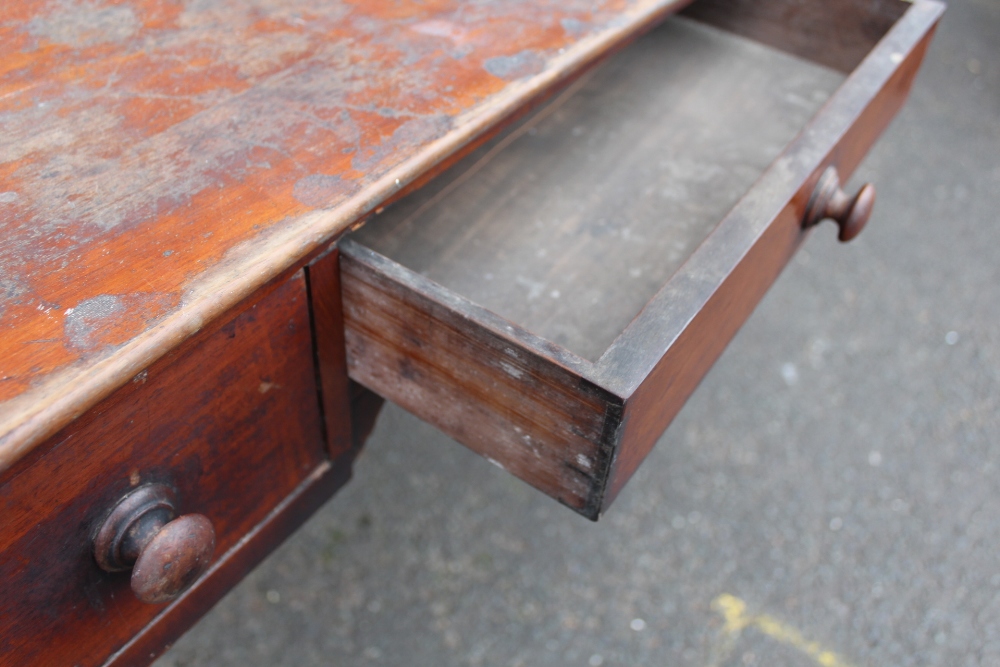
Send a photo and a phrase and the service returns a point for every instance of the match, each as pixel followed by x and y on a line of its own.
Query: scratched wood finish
pixel 232 420
pixel 657 361
pixel 477 378
pixel 569 225
pixel 159 161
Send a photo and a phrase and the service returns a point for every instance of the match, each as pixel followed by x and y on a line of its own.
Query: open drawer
pixel 553 299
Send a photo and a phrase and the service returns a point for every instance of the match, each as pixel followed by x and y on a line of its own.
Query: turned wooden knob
pixel 829 201
pixel 166 554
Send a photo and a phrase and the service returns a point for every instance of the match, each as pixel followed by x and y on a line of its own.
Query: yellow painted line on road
pixel 734 613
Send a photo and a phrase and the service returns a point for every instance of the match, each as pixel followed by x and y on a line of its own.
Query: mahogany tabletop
pixel 161 160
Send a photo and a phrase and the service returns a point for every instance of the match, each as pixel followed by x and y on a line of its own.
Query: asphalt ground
pixel 829 495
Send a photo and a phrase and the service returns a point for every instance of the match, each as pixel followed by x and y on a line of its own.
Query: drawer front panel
pixel 660 359
pixel 231 421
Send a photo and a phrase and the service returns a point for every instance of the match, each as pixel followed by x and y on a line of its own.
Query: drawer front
pixel 578 428
pixel 231 421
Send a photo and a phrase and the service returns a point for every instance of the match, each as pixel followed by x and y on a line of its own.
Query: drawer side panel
pixel 660 359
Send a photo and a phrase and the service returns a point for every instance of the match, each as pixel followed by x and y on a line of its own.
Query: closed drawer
pixel 554 298
pixel 230 422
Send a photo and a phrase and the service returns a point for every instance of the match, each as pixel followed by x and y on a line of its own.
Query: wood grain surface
pixel 491 385
pixel 349 410
pixel 232 421
pixel 159 161
pixel 323 277
pixel 836 34
pixel 230 567
pixel 571 223
pixel 657 360
pixel 662 356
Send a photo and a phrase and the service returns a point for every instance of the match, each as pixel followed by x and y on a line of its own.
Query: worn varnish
pixel 232 421
pixel 160 160
pixel 425 352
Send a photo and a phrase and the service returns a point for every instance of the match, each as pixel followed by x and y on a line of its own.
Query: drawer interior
pixel 553 299
pixel 569 223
